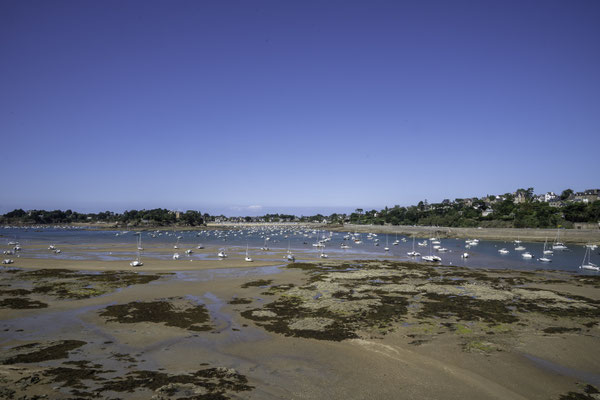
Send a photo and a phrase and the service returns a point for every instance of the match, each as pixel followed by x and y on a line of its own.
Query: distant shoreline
pixel 575 236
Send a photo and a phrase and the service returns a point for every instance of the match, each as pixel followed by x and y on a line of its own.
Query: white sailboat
pixel 387 244
pixel 248 258
pixel 138 261
pixel 547 251
pixel 323 255
pixel 265 247
pixel 589 265
pixel 431 257
pixel 413 253
pixel 558 245
pixel 289 256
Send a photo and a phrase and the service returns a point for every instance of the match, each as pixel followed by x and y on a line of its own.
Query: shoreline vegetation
pixel 521 209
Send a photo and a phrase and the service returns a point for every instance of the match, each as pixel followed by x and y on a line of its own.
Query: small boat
pixel 589 265
pixel 503 251
pixel 442 249
pixel 431 257
pixel 8 261
pixel 176 256
pixel 544 259
pixel 344 246
pixel 519 248
pixel 423 243
pixel 413 253
pixel 138 261
pixel 558 245
pixel 200 246
pixel 464 255
pixel 248 258
pixel 51 247
pixel 189 252
pixel 221 254
pixel 323 255
pixel 526 255
pixel 547 251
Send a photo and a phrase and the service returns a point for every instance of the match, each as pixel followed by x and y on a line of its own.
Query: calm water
pixel 300 241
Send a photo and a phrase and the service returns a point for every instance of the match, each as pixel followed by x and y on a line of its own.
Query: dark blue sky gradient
pixel 294 106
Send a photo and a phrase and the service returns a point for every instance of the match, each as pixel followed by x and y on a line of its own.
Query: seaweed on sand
pixel 465 308
pixel 258 283
pixel 21 303
pixel 187 316
pixel 53 351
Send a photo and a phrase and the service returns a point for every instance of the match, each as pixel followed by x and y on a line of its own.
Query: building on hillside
pixel 520 197
pixel 588 196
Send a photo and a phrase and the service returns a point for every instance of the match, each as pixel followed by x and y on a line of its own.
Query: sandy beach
pixel 339 329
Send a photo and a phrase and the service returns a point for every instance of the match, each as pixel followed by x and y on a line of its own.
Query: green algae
pixel 52 351
pixel 589 392
pixel 21 303
pixel 465 309
pixel 258 283
pixel 239 300
pixel 188 316
pixel 560 329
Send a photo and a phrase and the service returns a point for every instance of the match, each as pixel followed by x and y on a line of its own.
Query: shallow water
pixel 299 241
pixel 584 376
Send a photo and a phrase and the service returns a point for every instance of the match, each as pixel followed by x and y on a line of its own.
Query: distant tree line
pixel 506 213
pixel 156 217
pixel 519 210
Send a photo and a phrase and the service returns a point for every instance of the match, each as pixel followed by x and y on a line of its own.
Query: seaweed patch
pixel 175 312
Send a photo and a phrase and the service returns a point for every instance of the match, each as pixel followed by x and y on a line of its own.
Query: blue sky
pixel 244 107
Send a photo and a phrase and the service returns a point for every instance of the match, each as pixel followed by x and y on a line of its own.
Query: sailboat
pixel 396 242
pixel 413 253
pixel 138 261
pixel 323 255
pixel 387 243
pixel 248 259
pixel 431 257
pixel 557 243
pixel 519 246
pixel 290 256
pixel 265 247
pixel 548 251
pixel 589 265
pixel 139 246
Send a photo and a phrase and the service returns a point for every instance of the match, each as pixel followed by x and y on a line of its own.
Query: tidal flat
pixel 338 329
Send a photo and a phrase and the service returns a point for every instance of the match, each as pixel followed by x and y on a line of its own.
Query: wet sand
pixel 338 329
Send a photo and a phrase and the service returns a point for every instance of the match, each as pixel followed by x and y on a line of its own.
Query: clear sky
pixel 243 107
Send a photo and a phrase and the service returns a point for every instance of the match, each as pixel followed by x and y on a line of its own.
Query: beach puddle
pixel 588 377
